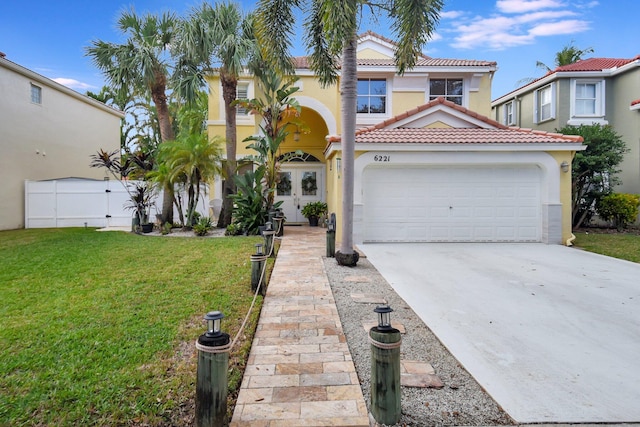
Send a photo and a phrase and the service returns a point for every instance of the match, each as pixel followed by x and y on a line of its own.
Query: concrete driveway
pixel 551 332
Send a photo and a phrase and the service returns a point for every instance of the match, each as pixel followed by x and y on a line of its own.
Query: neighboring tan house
pixel 47 131
pixel 430 166
pixel 594 90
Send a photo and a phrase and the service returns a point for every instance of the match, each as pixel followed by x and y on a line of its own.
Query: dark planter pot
pixel 147 228
pixel 313 221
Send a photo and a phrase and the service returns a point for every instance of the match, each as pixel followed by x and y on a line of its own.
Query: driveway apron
pixel 551 332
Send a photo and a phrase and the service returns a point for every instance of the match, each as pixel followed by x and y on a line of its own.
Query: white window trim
pixel 33 86
pixel 505 116
pixel 465 88
pixel 598 117
pixel 375 118
pixel 536 96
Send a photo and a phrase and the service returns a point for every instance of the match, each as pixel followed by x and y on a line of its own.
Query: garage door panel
pixel 431 204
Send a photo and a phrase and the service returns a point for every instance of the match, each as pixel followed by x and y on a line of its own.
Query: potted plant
pixel 314 210
pixel 140 203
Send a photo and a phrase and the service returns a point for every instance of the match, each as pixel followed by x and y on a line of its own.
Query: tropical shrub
pixel 620 208
pixel 203 226
pixel 594 170
pixel 249 211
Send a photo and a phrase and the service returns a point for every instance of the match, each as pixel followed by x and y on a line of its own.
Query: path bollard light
pixel 268 234
pixel 257 264
pixel 211 381
pixel 331 237
pixel 385 368
pixel 279 220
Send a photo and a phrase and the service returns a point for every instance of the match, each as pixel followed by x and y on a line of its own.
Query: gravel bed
pixel 461 402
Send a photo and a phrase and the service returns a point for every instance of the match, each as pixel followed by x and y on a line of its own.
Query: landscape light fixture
pixel 384 316
pixel 213 319
pixel 259 249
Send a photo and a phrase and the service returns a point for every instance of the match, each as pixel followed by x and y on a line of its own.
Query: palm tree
pixel 222 37
pixel 331 36
pixel 192 159
pixel 278 110
pixel 568 55
pixel 141 65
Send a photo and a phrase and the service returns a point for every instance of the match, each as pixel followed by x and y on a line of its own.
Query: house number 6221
pixel 378 158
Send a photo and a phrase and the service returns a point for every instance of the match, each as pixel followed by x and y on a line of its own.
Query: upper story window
pixel 450 89
pixel 587 102
pixel 372 96
pixel 242 92
pixel 544 104
pixel 509 118
pixel 36 94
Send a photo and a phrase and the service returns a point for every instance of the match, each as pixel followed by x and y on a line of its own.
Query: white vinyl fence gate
pixel 79 202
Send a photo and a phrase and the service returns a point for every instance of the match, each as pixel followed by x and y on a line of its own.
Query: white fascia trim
pixel 634 107
pixel 625 67
pixel 336 147
pixel 453 69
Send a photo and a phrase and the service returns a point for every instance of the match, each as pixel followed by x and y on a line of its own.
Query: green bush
pixel 203 226
pixel 620 208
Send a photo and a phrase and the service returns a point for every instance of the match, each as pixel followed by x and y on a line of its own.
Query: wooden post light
pixel 211 381
pixel 385 368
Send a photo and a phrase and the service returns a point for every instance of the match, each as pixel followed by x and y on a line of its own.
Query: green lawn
pixel 97 328
pixel 617 245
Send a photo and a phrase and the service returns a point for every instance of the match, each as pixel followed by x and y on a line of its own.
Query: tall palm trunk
pixel 349 98
pixel 229 91
pixel 158 94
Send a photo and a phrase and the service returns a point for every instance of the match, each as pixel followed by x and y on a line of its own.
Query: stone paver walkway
pixel 300 371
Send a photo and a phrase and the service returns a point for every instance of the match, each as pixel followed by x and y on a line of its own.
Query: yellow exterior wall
pixel 404 101
pixel 480 101
pixel 565 192
pixel 371 54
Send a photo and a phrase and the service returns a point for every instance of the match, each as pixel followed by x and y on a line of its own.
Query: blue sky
pixel 49 37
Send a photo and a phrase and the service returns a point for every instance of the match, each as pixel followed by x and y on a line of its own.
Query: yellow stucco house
pixel 430 165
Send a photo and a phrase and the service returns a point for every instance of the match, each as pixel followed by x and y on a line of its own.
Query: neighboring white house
pixel 47 131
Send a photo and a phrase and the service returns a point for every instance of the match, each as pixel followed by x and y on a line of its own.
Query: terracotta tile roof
pixel 591 64
pixel 435 102
pixel 595 64
pixel 636 102
pixel 302 62
pixel 463 136
pixel 378 36
pixel 497 134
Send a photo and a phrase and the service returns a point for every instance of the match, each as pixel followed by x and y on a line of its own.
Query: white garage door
pixel 452 204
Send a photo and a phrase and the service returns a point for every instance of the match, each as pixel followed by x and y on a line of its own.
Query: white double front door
pixel 299 184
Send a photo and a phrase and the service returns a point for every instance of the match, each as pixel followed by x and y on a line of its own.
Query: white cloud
pixel 72 83
pixel 452 14
pixel 561 27
pixel 520 23
pixel 521 6
pixel 435 37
